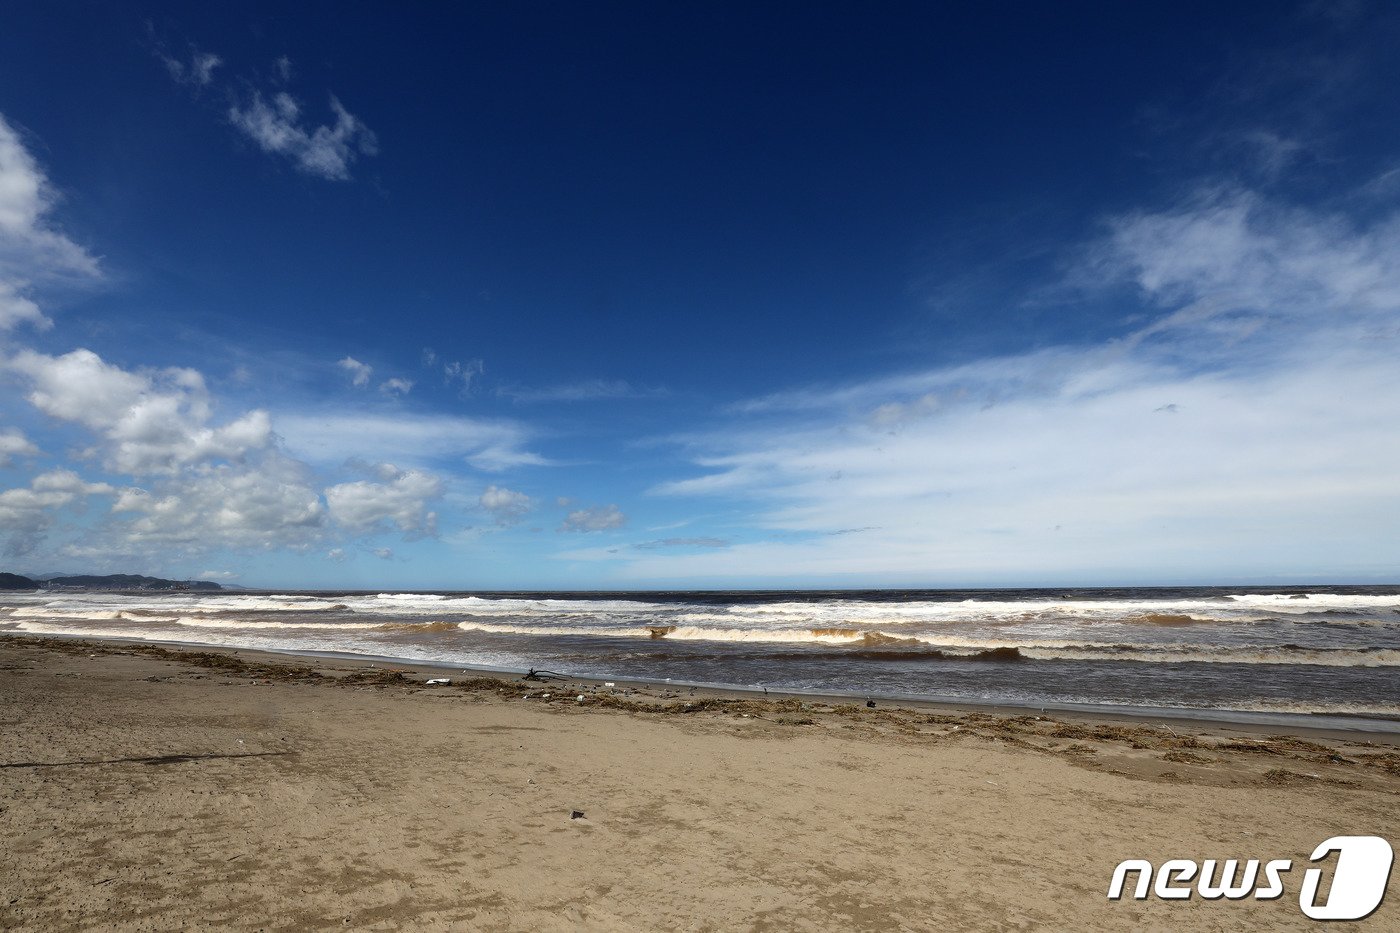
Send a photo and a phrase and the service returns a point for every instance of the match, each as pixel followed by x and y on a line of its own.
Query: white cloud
pixel 599 518
pixel 155 422
pixel 333 437
pixel 587 390
pixel 1246 432
pixel 325 151
pixel 15 309
pixel 401 500
pixel 32 253
pixel 384 553
pixel 462 372
pixel 507 506
pixel 359 372
pixel 218 575
pixel 196 70
pixel 1230 260
pixel 270 504
pixel 14 444
pixel 26 513
pixel 500 457
pixel 396 387
pixel 682 543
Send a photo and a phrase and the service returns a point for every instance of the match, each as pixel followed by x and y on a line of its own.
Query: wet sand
pixel 152 788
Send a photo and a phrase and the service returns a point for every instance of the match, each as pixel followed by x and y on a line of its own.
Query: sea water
pixel 1331 649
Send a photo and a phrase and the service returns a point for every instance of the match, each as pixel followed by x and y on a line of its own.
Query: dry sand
pixel 150 788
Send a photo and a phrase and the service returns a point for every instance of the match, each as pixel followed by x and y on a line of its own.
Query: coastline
pixel 1322 724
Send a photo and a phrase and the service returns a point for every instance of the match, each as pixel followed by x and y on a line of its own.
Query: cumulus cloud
pixel 152 422
pixel 200 484
pixel 14 444
pixel 27 512
pixel 359 372
pixel 396 387
pixel 505 505
pixel 1269 366
pixel 400 500
pixel 268 505
pixel 598 518
pixel 326 151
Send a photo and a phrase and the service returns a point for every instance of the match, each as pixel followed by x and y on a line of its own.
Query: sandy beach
pixel 147 788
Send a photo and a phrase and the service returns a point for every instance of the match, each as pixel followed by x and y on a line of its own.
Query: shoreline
pixel 1182 654
pixel 1325 723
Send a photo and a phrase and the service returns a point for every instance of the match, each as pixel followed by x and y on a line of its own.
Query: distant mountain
pixel 128 581
pixel 13 581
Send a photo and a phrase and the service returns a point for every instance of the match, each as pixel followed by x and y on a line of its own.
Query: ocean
pixel 1316 650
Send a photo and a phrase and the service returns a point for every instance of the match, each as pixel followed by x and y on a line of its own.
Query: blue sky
pixel 611 296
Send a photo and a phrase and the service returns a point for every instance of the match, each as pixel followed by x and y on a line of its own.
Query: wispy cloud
pixel 32 252
pixel 327 151
pixel 1248 425
pixel 196 69
pixel 682 543
pixel 462 373
pixel 334 436
pixel 587 390
pixel 271 116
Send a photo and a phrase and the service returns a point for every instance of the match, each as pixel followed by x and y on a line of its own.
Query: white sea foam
pixel 238 624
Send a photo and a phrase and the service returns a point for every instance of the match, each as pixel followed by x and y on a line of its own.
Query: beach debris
pixel 534 674
pixel 438 680
pixel 580 698
pixel 545 696
pixel 870 704
pixel 609 683
pixel 576 815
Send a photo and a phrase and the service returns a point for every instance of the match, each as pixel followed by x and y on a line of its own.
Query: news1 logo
pixel 1358 883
